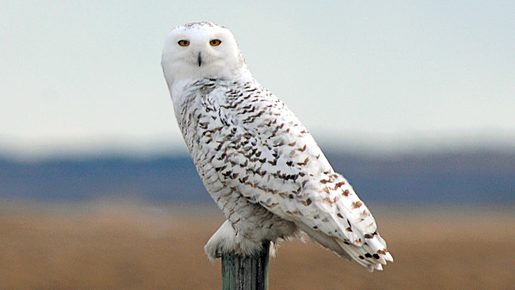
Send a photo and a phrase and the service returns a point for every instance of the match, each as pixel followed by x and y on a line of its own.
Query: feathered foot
pixel 227 239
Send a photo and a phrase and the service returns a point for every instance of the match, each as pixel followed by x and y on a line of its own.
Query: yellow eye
pixel 183 42
pixel 215 42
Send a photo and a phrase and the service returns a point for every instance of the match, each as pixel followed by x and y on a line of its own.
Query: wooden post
pixel 246 272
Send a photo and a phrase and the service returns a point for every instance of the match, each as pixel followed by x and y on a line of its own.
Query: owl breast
pixel 223 130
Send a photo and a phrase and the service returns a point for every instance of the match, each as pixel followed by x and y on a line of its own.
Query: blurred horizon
pixel 444 178
pixel 125 147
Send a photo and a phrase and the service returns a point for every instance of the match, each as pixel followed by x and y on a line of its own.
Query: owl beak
pixel 199 59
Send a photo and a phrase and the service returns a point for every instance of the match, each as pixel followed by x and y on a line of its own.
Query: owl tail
pixel 371 255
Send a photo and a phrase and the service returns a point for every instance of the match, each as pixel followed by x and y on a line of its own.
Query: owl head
pixel 201 50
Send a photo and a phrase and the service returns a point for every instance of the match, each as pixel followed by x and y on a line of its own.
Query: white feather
pixel 256 159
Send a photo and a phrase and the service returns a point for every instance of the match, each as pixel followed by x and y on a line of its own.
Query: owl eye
pixel 183 42
pixel 215 42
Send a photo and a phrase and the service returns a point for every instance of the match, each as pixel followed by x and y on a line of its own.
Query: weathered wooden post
pixel 246 272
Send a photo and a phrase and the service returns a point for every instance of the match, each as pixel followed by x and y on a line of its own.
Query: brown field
pixel 130 246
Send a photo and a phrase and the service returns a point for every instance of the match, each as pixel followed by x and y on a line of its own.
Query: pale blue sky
pixel 386 75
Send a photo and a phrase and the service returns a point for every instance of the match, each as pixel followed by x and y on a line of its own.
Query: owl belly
pixel 250 220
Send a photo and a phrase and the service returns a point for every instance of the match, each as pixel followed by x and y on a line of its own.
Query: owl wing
pixel 260 148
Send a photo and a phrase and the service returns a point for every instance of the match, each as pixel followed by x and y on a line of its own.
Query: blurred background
pixel 414 101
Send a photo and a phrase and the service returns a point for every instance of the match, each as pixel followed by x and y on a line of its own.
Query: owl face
pixel 200 50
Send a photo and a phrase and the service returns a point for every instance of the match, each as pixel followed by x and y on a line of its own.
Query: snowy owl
pixel 259 163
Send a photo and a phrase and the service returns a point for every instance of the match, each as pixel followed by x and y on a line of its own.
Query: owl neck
pixel 179 84
pixel 180 73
